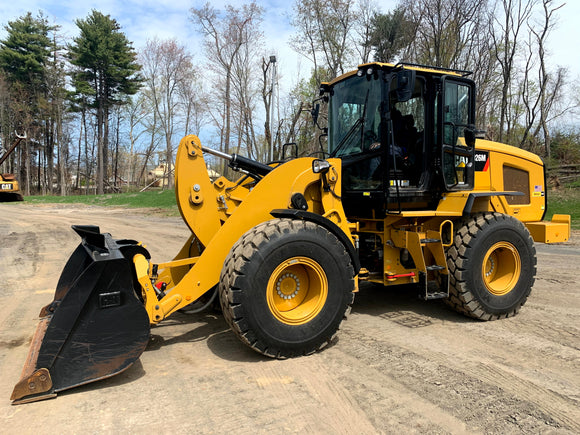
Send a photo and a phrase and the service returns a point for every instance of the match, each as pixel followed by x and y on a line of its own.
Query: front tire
pixel 492 266
pixel 286 286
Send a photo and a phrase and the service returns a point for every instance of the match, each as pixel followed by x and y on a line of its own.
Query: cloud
pixel 164 19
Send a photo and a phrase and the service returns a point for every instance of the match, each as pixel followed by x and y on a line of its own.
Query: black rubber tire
pixel 244 284
pixel 474 237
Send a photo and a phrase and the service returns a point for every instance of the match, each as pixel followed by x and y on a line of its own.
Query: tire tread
pixel 461 298
pixel 245 248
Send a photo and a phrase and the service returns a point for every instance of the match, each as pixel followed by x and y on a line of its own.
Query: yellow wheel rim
pixel 297 290
pixel 501 268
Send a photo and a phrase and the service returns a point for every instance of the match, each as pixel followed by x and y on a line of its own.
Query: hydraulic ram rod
pixel 237 162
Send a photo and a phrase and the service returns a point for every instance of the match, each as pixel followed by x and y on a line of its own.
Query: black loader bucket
pixel 96 326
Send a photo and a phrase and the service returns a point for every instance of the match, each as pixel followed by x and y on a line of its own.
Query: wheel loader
pixel 9 189
pixel 403 193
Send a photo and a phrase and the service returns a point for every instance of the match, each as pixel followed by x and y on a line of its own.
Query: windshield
pixel 354 116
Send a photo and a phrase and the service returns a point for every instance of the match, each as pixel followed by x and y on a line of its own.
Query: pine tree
pixel 105 61
pixel 24 55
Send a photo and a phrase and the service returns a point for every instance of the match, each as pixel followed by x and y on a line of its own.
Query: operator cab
pixel 396 129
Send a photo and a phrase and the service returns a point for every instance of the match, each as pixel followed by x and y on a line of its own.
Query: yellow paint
pixel 217 231
pixel 220 212
pixel 556 231
pixel 501 268
pixel 297 291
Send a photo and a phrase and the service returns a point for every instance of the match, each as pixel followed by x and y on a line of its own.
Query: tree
pixel 25 51
pixel 105 61
pixel 24 55
pixel 550 85
pixel 324 35
pixel 54 112
pixel 225 34
pixel 389 34
pixel 245 89
pixel 363 28
pixel 506 39
pixel 167 67
pixel 136 112
pixel 443 29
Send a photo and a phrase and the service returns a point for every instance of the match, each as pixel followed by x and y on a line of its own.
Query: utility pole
pixel 274 78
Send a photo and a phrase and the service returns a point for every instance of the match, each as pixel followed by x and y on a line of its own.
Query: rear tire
pixel 286 286
pixel 492 266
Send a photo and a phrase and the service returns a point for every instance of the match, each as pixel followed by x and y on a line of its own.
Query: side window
pixel 456 111
pixel 407 151
pixel 457 116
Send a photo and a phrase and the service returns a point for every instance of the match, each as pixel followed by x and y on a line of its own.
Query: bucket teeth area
pixel 33 387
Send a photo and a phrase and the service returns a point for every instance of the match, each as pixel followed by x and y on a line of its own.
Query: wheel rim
pixel 501 268
pixel 297 290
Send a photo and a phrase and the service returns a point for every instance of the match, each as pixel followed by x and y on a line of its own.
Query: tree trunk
pixel 100 139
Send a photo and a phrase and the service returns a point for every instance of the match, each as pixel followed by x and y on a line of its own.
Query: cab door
pixel 456 115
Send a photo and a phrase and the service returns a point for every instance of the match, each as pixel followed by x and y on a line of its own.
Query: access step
pixel 436 295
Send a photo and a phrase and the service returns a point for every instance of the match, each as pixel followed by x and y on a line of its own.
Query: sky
pixel 146 19
pixel 141 20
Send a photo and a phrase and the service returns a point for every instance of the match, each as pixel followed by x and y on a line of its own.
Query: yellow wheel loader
pixel 9 189
pixel 403 193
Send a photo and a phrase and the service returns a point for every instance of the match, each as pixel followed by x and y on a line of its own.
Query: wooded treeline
pixel 99 115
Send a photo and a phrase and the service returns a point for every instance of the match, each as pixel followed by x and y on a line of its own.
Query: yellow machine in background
pixel 403 194
pixel 9 189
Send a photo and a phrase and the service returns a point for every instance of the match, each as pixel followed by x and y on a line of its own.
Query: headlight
pixel 320 166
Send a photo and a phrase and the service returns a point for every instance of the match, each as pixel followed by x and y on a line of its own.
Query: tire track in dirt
pixel 337 411
pixel 387 399
pixel 452 380
pixel 400 365
pixel 562 409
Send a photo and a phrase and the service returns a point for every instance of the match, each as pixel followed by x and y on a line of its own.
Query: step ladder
pixel 428 253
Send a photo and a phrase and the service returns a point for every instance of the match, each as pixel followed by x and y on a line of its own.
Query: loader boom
pixel 275 189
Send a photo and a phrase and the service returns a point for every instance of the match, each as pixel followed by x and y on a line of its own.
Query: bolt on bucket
pixel 96 326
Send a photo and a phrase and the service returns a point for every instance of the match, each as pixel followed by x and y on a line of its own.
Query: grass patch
pixel 150 199
pixel 565 201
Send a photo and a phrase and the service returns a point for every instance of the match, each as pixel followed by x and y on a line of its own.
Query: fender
pixel 325 223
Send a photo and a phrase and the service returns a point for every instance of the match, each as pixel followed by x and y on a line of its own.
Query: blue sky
pixel 144 19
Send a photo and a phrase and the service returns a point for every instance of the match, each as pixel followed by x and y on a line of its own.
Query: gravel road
pixel 400 365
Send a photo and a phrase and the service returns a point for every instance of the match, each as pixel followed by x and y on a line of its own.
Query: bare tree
pixel 136 112
pixel 444 29
pixel 225 34
pixel 245 88
pixel 324 32
pixel 267 96
pixel 550 86
pixel 193 103
pixel 362 30
pixel 166 65
pixel 506 39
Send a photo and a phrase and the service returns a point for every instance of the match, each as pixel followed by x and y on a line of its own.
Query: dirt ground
pixel 400 365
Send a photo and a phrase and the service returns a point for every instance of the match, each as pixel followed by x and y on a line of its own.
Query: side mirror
pixel 314 112
pixel 292 155
pixel 405 84
pixel 469 134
